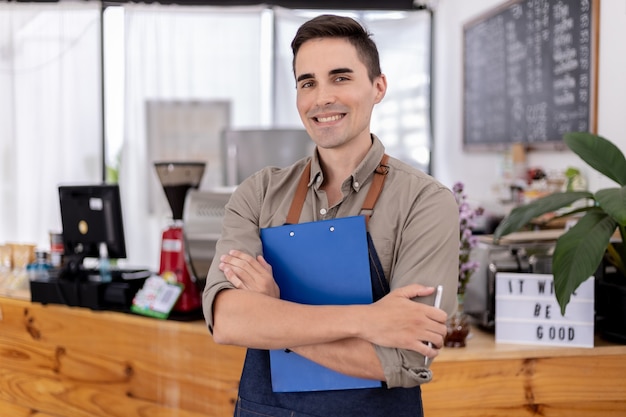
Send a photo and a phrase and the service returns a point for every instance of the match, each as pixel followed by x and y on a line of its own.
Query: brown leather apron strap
pixel 377 186
pixel 297 203
pixel 293 217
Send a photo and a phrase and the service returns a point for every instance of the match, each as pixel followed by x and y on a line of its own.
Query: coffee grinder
pixel 177 178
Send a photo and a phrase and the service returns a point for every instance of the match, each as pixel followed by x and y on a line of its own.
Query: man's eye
pixel 341 79
pixel 306 84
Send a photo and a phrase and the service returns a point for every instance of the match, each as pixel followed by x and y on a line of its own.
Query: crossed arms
pixel 339 337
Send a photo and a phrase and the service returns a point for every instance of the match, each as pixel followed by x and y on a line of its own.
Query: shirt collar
pixel 360 175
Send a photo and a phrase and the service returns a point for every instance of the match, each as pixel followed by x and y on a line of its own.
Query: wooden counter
pixel 489 379
pixel 74 362
pixel 62 361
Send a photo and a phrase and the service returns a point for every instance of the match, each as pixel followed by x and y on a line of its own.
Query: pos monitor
pixel 91 215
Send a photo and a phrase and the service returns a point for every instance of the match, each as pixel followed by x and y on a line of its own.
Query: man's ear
pixel 381 88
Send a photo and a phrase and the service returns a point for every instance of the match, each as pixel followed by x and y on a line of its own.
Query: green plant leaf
pixel 522 215
pixel 613 201
pixel 599 153
pixel 579 252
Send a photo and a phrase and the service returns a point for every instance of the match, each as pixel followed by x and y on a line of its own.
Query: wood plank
pixel 125 377
pixel 62 398
pixel 13 410
pixel 487 378
pixel 547 386
pixel 572 409
pixel 168 363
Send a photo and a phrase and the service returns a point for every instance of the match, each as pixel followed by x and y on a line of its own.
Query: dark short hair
pixel 331 26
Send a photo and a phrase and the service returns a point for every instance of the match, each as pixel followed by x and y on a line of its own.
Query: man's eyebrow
pixel 340 71
pixel 331 72
pixel 305 77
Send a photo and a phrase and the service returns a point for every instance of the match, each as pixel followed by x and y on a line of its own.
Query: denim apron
pixel 256 398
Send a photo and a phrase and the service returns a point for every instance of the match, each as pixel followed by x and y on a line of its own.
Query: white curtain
pixel 50 112
pixel 183 54
pixel 402 119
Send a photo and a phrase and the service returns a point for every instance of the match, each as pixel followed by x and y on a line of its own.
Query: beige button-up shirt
pixel 414 227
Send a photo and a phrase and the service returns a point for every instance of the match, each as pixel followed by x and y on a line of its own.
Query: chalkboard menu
pixel 530 73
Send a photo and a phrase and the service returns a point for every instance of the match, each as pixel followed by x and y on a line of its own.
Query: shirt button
pixel 323 211
pixel 356 184
pixel 319 178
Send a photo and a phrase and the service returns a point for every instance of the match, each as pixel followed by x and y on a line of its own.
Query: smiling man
pixel 413 247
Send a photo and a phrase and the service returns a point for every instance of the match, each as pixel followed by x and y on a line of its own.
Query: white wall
pixel 481 170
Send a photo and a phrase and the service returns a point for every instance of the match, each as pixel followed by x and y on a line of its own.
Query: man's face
pixel 335 96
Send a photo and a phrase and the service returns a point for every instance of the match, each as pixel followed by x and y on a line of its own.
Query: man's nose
pixel 325 94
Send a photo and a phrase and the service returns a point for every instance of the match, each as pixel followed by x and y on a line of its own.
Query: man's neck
pixel 338 164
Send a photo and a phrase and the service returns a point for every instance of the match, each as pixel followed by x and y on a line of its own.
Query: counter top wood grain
pixel 69 361
pixel 59 361
pixel 496 379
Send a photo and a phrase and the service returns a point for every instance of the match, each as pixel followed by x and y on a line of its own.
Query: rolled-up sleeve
pixel 402 367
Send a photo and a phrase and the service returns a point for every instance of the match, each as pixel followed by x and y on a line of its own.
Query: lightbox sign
pixel 527 312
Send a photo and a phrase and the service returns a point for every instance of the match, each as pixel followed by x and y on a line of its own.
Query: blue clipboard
pixel 319 263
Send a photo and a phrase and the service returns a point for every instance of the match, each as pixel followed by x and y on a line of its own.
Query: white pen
pixel 437 305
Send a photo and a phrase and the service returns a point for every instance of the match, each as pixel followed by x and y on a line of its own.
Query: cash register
pixel 91 216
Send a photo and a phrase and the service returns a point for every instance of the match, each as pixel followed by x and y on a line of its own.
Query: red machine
pixel 177 178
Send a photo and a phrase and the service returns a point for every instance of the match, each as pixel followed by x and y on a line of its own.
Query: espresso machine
pixel 177 178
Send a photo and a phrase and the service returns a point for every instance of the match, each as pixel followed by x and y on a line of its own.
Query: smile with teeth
pixel 329 118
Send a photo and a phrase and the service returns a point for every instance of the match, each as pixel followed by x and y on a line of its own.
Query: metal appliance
pixel 523 252
pixel 177 178
pixel 202 226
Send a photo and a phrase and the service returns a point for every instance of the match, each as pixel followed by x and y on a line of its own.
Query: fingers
pixel 415 290
pixel 233 278
pixel 243 261
pixel 249 273
pixel 437 334
pixel 264 263
pixel 238 268
pixel 431 352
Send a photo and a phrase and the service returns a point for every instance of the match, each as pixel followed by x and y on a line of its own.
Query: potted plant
pixel 580 251
pixel 459 323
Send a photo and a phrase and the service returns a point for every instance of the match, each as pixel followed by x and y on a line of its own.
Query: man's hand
pixel 248 273
pixel 400 322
